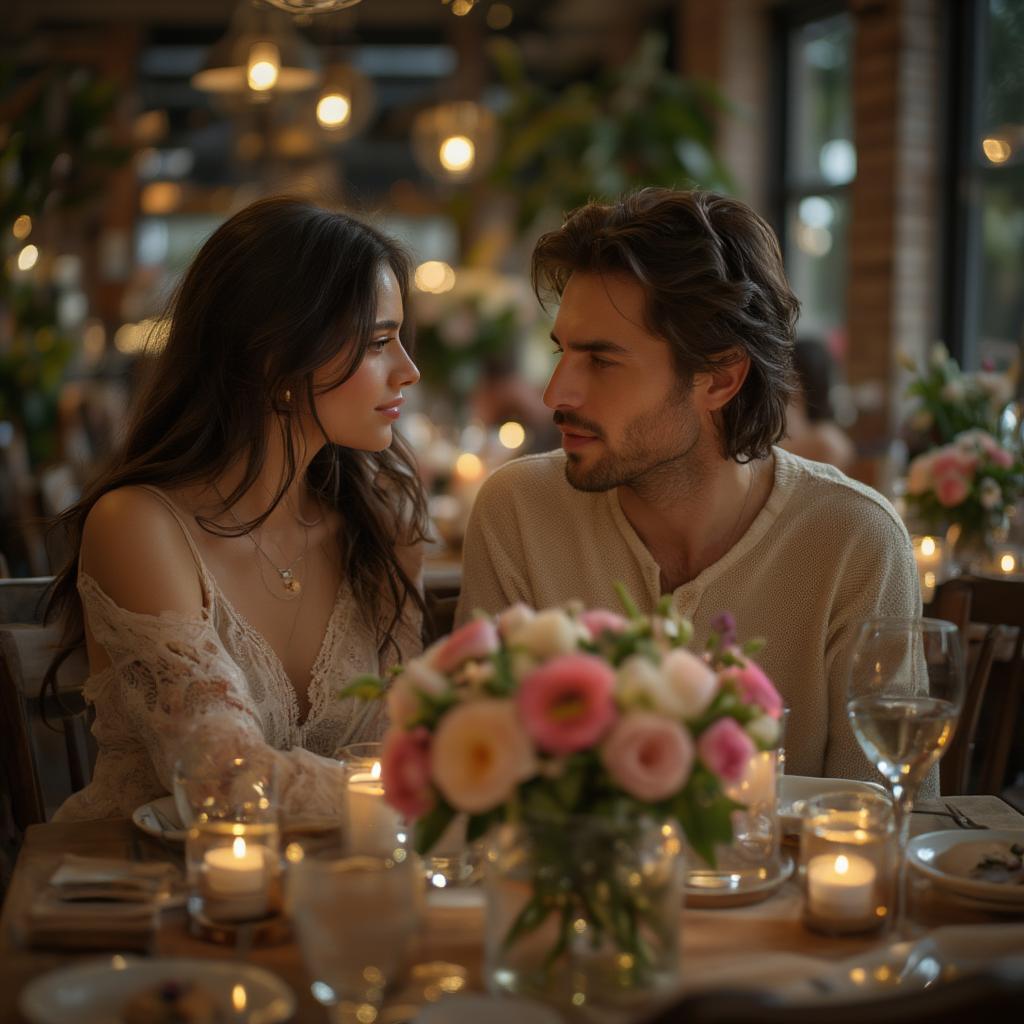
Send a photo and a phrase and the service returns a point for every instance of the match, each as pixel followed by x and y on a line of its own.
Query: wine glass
pixel 904 694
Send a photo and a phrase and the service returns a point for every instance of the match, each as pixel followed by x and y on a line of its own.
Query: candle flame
pixel 239 999
pixel 375 770
pixel 1008 563
pixel 238 847
pixel 842 864
pixel 928 546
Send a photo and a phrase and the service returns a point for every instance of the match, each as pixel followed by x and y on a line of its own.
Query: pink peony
pixel 480 754
pixel 951 490
pixel 476 639
pixel 647 756
pixel 754 687
pixel 405 771
pixel 726 749
pixel 567 704
pixel 599 620
pixel 953 461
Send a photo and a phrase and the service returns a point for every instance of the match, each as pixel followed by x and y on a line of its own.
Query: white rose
pixel 990 494
pixel 764 731
pixel 513 617
pixel 639 684
pixel 689 682
pixel 939 355
pixel 547 634
pixel 417 677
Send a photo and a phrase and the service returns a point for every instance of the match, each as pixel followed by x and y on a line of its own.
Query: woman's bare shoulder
pixel 134 547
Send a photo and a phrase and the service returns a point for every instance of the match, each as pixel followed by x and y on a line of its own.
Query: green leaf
pixel 628 604
pixel 529 919
pixel 365 687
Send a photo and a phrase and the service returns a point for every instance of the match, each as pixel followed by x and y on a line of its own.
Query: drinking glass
pixel 904 694
pixel 355 918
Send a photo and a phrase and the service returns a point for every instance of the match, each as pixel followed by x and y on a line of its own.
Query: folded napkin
pixel 101 903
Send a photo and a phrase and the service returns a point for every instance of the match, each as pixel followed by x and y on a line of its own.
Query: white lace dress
pixel 170 671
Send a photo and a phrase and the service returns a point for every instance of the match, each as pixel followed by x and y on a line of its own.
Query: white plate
pixel 796 790
pixel 948 858
pixel 96 992
pixel 151 818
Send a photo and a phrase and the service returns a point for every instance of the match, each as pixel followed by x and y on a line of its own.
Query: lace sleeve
pixel 173 674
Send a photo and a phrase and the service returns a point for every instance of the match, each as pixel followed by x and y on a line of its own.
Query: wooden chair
pixel 441 591
pixel 989 609
pixel 48 752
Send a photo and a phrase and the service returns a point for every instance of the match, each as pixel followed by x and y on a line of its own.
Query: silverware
pixel 961 819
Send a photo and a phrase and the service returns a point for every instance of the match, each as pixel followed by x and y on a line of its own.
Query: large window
pixel 986 266
pixel 818 164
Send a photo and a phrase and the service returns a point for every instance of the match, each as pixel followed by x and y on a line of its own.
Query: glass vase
pixel 584 913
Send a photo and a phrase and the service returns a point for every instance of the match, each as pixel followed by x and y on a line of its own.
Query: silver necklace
pixel 743 508
pixel 291 583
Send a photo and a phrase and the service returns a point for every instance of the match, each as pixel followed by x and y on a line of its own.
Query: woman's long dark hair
pixel 274 294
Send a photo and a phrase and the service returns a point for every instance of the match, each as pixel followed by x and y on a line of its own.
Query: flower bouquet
pixel 970 483
pixel 950 402
pixel 577 740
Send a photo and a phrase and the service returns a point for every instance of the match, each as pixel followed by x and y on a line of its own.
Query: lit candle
pixel 929 554
pixel 841 886
pixel 236 870
pixel 373 822
pixel 1007 562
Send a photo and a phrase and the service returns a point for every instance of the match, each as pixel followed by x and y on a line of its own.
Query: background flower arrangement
pixel 561 715
pixel 482 319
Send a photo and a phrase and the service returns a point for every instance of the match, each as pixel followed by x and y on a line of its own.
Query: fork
pixel 961 819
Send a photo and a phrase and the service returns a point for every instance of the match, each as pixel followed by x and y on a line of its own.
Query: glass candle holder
pixel 848 854
pixel 232 849
pixel 373 824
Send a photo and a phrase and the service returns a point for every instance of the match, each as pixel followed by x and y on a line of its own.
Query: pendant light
pixel 455 141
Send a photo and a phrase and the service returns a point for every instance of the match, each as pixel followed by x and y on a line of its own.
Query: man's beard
pixel 641 461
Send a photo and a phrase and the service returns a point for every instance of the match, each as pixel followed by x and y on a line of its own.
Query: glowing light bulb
pixel 457 153
pixel 263 67
pixel 334 110
pixel 22 226
pixel 28 257
pixel 998 151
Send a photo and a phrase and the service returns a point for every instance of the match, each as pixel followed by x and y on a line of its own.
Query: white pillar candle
pixel 236 870
pixel 841 886
pixel 929 554
pixel 373 822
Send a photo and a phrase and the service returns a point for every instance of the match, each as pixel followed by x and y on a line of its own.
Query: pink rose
pixel 725 749
pixel 647 756
pixel 1001 457
pixel 480 754
pixel 952 461
pixel 951 490
pixel 599 620
pixel 567 704
pixel 476 639
pixel 754 687
pixel 405 771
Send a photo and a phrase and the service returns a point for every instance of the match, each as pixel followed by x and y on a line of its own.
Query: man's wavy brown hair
pixel 715 287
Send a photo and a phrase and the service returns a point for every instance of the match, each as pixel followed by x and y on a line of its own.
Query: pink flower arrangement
pixel 551 714
pixel 969 482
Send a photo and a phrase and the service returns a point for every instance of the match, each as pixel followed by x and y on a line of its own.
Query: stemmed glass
pixel 904 694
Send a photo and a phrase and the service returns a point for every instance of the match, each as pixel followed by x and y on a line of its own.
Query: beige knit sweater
pixel 823 554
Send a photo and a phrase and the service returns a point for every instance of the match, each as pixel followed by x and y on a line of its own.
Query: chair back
pixel 990 615
pixel 49 751
pixel 23 599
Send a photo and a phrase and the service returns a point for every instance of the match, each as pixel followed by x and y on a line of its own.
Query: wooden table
pixel 734 947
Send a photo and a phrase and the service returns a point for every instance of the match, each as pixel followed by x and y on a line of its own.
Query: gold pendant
pixel 291 584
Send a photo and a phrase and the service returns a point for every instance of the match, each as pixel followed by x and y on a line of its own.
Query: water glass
pixel 355 918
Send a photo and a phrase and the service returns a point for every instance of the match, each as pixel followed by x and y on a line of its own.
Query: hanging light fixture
pixel 346 102
pixel 312 6
pixel 261 54
pixel 455 141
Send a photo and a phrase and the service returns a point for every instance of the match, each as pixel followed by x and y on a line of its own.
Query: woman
pixel 255 543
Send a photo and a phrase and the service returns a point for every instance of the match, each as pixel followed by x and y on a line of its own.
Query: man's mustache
pixel 570 419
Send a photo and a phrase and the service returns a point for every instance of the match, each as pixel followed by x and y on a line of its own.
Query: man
pixel 675 335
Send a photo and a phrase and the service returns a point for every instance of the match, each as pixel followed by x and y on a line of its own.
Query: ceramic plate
pixel 796 790
pixel 159 818
pixel 698 896
pixel 96 992
pixel 948 859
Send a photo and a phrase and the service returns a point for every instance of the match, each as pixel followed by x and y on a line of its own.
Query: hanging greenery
pixel 638 124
